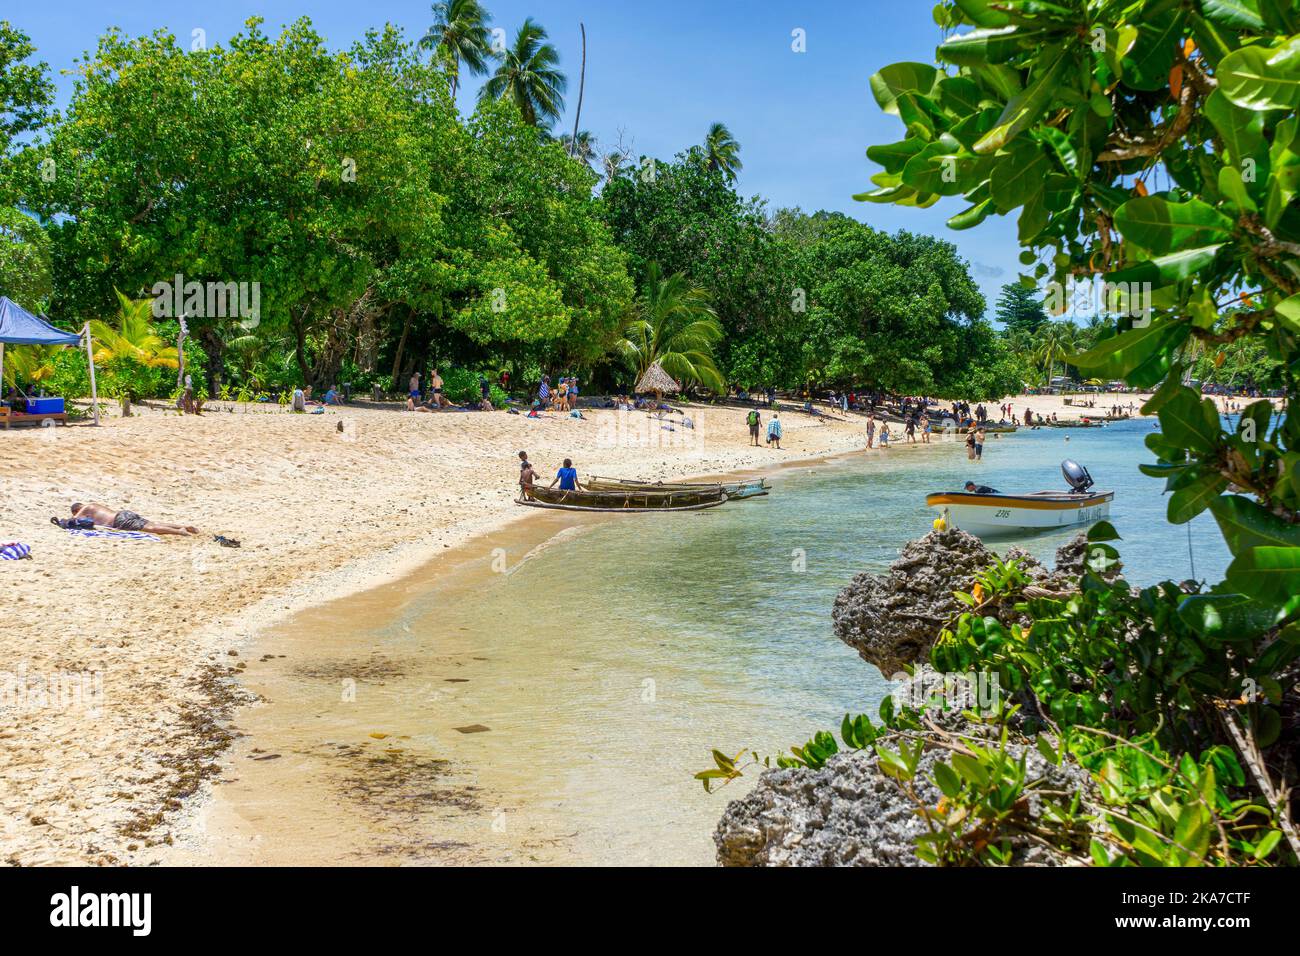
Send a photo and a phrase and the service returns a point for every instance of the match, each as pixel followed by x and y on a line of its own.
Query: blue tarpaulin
pixel 20 327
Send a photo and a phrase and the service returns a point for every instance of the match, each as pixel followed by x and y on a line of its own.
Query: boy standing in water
pixel 884 434
pixel 979 444
pixel 526 475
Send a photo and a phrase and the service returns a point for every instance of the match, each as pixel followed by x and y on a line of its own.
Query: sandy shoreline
pixel 149 633
pixel 145 630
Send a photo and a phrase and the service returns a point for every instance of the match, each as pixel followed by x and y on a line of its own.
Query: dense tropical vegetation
pixel 1154 142
pixel 387 232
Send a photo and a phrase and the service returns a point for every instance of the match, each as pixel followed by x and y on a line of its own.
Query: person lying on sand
pixel 127 520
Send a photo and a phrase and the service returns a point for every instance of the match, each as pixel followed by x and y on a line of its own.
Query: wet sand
pixel 394 730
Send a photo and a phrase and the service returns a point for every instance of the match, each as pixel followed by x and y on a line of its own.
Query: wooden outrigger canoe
pixel 734 490
pixel 629 501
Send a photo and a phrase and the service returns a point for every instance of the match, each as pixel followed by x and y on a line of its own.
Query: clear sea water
pixel 610 659
pixel 631 649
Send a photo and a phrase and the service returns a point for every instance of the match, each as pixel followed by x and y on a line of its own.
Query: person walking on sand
pixel 413 392
pixel 567 477
pixel 910 428
pixel 884 434
pixel 871 431
pixel 527 476
pixel 753 420
pixel 774 431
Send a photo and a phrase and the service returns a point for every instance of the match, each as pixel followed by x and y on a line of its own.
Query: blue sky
pixel 660 73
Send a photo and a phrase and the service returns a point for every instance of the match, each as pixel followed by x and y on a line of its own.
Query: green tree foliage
pixel 378 227
pixel 821 298
pixel 26 91
pixel 307 172
pixel 1020 309
pixel 539 265
pixel 25 270
pixel 1242 365
pixel 528 75
pixel 689 220
pixel 582 147
pixel 898 312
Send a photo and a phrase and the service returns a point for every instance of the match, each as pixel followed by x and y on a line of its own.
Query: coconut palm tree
pixel 583 149
pixel 29 363
pixel 1056 341
pixel 674 326
pixel 722 152
pixel 459 34
pixel 134 339
pixel 528 75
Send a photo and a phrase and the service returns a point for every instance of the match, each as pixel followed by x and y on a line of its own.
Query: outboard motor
pixel 1076 475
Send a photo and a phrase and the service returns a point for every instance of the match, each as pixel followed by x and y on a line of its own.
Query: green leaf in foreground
pixel 1269 573
pixel 1186 503
pixel 1248 79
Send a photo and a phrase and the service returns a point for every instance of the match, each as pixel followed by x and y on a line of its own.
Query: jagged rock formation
pixel 850 814
pixel 892 619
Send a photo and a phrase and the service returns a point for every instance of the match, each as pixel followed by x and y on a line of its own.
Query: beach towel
pixel 104 533
pixel 15 551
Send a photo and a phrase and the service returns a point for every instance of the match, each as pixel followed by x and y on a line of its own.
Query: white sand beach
pixel 115 652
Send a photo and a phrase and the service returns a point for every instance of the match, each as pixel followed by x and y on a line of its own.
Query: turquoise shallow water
pixel 617 657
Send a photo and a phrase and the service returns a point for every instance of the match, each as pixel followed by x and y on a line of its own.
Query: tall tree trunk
pixel 582 85
pixel 401 347
pixel 214 347
pixel 300 344
pixel 180 355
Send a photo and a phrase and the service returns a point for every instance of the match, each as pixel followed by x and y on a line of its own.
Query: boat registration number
pixel 1002 513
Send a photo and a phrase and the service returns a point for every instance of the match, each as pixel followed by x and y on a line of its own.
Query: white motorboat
pixel 984 511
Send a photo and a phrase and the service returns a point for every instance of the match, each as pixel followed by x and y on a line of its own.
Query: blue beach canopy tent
pixel 20 327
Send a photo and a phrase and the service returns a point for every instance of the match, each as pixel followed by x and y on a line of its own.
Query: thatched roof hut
pixel 657 380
